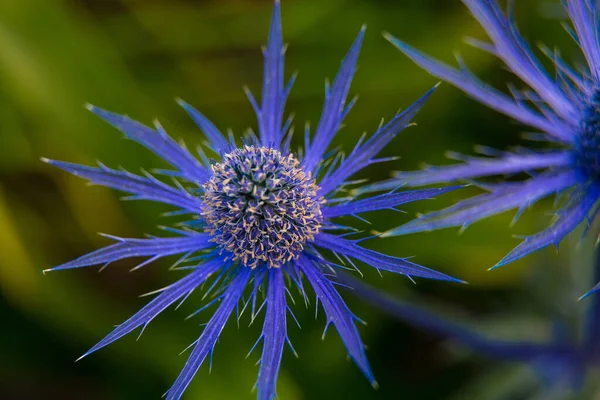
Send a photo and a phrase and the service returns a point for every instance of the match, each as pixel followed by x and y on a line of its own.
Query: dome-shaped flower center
pixel 589 139
pixel 261 207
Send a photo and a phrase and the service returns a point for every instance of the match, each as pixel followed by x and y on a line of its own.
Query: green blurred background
pixel 135 57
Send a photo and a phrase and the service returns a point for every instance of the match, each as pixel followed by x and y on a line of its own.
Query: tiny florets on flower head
pixel 588 145
pixel 260 217
pixel 261 206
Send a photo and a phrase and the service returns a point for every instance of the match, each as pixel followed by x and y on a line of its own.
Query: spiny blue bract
pixel 257 216
pixel 567 115
pixel 562 361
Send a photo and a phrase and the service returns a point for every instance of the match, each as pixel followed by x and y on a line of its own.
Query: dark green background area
pixel 135 57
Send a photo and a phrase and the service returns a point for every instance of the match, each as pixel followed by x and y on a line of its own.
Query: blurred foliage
pixel 135 57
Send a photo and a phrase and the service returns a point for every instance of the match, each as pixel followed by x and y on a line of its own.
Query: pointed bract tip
pixel 402 46
pixel 404 230
pixel 387 36
pixel 585 296
pixel 358 41
pixel 89 106
pixel 594 290
pixel 157 124
pixel 437 85
pixel 276 16
pixel 449 278
pixel 500 263
pixel 45 160
pixel 82 357
pixel 375 384
pixel 389 233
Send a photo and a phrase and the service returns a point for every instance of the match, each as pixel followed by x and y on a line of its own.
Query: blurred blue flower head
pixel 561 362
pixel 259 217
pixel 564 109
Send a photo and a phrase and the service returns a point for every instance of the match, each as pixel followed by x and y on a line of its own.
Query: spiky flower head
pixel 261 207
pixel 259 214
pixel 565 110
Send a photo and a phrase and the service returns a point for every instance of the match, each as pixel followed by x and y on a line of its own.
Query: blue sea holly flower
pixel 259 218
pixel 565 110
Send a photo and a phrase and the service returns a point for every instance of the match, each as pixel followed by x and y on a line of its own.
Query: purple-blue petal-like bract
pixel 258 218
pixel 565 109
pixel 562 362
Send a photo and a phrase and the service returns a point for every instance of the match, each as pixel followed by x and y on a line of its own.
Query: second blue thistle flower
pixel 565 109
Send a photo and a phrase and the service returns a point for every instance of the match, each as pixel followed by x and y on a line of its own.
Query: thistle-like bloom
pixel 565 110
pixel 257 215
